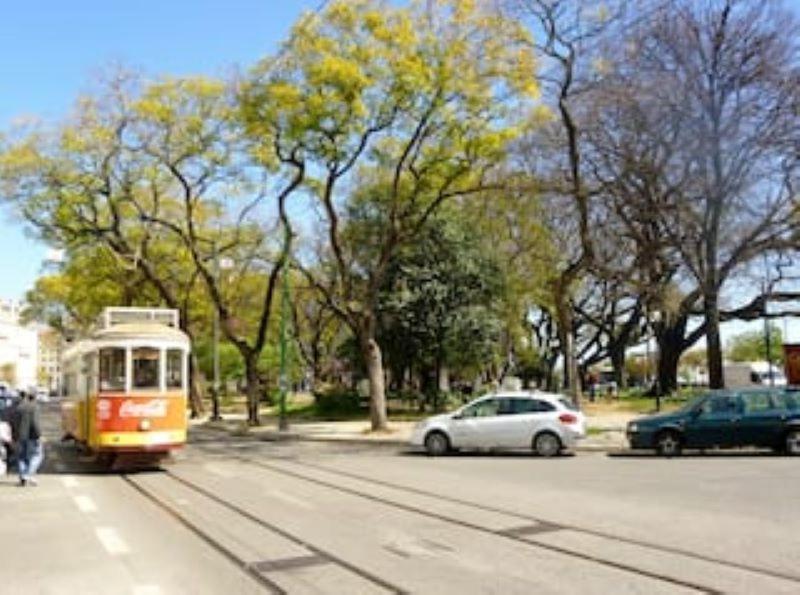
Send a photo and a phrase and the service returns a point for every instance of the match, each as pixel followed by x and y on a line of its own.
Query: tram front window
pixel 112 369
pixel 174 368
pixel 145 368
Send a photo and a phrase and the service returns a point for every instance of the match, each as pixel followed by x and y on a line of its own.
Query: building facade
pixel 19 348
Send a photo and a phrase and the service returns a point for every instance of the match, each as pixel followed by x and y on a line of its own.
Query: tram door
pixel 86 390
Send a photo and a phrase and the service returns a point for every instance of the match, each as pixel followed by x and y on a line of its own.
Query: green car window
pixel 720 404
pixel 790 401
pixel 757 402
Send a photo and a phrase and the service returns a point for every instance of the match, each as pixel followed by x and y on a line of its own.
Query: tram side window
pixel 112 369
pixel 145 368
pixel 174 368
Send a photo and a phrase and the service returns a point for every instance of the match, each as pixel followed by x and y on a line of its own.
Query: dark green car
pixel 768 418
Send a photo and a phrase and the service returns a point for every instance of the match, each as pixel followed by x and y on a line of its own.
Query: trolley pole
pixel 283 422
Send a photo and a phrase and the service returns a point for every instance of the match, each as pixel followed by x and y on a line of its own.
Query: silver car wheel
pixel 547 445
pixel 793 443
pixel 436 444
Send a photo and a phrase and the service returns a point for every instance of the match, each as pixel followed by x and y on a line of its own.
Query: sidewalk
pixel 605 432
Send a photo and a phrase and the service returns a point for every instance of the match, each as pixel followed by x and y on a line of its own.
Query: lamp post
pixel 219 264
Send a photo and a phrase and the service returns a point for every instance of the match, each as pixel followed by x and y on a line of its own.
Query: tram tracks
pixel 257 570
pixel 530 535
pixel 560 525
pixel 532 531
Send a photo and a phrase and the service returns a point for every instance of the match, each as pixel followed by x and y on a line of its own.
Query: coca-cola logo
pixel 152 408
pixel 103 409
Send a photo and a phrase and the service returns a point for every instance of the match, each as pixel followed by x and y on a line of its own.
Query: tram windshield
pixel 112 369
pixel 145 368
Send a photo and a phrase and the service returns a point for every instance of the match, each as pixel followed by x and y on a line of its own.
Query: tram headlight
pixel 144 425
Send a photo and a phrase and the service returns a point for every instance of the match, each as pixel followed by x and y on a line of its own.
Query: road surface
pixel 246 516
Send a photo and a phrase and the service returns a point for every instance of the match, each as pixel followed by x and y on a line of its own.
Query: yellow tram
pixel 126 385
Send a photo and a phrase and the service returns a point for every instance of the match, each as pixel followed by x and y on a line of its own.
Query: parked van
pixel 748 374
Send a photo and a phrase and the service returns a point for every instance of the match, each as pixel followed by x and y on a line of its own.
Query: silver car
pixel 545 422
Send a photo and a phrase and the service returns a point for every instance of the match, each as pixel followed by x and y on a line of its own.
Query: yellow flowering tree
pixel 394 112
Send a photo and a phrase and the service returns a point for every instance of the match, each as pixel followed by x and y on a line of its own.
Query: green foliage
pixel 438 303
pixel 752 346
pixel 337 401
pixel 231 364
pixel 71 298
pixel 529 366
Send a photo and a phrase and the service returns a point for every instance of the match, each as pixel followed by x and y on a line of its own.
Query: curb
pixel 277 436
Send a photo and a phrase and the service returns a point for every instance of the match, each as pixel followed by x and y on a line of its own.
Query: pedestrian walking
pixel 6 439
pixel 28 436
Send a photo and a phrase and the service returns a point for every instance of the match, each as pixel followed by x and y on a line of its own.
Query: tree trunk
pixel 617 355
pixel 671 346
pixel 567 340
pixel 444 379
pixel 253 386
pixel 195 392
pixel 716 378
pixel 371 352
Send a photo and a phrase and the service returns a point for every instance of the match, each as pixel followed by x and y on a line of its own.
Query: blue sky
pixel 50 50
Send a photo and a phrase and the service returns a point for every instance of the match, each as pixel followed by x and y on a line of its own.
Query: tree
pixel 735 66
pixel 439 306
pixel 569 35
pixel 189 134
pixel 404 109
pixel 70 298
pixel 317 331
pixel 752 346
pixel 134 169
pixel 692 148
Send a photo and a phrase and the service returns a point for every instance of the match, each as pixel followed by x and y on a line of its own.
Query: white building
pixel 19 348
pixel 49 360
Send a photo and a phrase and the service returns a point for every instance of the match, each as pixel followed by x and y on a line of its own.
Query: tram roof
pixel 137 330
pixel 153 333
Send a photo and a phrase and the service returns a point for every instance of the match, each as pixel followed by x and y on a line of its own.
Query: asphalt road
pixel 243 516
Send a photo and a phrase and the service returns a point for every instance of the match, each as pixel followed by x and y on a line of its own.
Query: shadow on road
pixel 697 454
pixel 479 454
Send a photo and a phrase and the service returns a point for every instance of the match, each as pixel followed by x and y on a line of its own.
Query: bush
pixel 337 400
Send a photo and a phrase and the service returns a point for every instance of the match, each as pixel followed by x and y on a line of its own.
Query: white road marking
pixel 111 540
pixel 146 590
pixel 85 503
pixel 291 499
pixel 70 482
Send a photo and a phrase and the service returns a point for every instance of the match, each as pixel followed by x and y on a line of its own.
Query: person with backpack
pixel 28 437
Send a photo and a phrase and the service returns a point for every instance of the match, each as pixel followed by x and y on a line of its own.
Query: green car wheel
pixel 793 443
pixel 669 444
